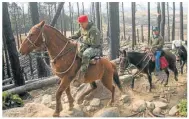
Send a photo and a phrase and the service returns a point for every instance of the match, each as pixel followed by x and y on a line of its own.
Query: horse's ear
pixel 42 23
pixel 124 53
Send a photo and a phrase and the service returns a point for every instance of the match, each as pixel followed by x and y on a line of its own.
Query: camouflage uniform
pixel 90 44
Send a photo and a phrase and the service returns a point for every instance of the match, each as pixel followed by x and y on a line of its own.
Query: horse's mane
pixel 57 32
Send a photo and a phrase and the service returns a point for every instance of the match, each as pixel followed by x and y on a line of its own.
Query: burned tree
pixel 173 25
pixel 181 22
pixel 162 27
pixel 114 29
pixel 11 47
pixel 133 25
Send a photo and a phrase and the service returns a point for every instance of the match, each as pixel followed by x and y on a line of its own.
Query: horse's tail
pixel 116 77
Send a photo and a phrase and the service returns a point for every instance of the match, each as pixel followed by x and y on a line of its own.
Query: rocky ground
pixel 161 101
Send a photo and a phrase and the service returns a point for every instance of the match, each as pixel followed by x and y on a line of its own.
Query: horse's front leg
pixel 63 85
pixel 70 98
pixel 167 72
pixel 132 83
pixel 150 81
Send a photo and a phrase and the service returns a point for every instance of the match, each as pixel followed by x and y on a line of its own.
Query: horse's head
pixel 34 39
pixel 124 61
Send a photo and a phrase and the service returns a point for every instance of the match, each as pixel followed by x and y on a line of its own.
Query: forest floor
pixel 43 100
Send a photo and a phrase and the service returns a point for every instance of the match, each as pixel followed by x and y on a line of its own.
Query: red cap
pixel 82 18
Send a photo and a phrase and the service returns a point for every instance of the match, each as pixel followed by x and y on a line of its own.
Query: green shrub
pixel 10 100
pixel 182 106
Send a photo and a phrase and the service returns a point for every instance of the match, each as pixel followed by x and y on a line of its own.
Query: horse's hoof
pixel 56 114
pixel 79 101
pixel 176 79
pixel 109 104
pixel 71 107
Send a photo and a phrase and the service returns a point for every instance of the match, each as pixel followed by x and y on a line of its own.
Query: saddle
pixel 163 60
pixel 93 60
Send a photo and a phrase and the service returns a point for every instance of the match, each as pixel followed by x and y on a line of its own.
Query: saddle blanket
pixel 163 62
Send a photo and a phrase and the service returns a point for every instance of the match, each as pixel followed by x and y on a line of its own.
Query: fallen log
pixel 6 87
pixel 34 85
pixel 7 80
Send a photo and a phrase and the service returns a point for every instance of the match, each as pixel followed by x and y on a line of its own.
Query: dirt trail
pixel 172 94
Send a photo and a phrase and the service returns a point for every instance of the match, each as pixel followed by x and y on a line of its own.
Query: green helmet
pixel 155 28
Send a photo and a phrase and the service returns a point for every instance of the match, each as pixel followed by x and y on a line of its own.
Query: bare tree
pixel 60 5
pixel 162 27
pixel 108 28
pixel 24 19
pixel 11 46
pixel 159 15
pixel 123 15
pixel 6 57
pixel 181 22
pixel 142 36
pixel 168 28
pixel 114 29
pixel 173 25
pixel 148 22
pixel 133 24
pixel 83 7
pixel 78 13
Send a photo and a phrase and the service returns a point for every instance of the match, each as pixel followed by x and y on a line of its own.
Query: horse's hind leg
pixel 63 85
pixel 70 98
pixel 174 69
pixel 167 72
pixel 93 86
pixel 150 81
pixel 182 66
pixel 108 84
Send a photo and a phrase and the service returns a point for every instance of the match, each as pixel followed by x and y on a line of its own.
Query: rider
pixel 157 45
pixel 90 44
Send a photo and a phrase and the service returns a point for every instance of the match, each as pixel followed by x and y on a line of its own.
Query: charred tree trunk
pixel 70 10
pixel 123 15
pixel 16 25
pixel 181 22
pixel 162 27
pixel 42 71
pixel 93 11
pixel 97 15
pixel 78 13
pixel 148 22
pixel 114 29
pixel 6 57
pixel 24 21
pixel 138 35
pixel 108 28
pixel 83 7
pixel 101 27
pixel 73 20
pixel 97 5
pixel 11 46
pixel 133 25
pixel 168 28
pixel 142 38
pixel 60 5
pixel 64 22
pixel 173 25
pixel 159 15
pixel 31 66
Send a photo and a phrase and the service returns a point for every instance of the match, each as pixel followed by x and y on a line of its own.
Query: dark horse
pixel 182 54
pixel 144 63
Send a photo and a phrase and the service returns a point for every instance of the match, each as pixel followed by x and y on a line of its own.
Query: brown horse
pixel 65 63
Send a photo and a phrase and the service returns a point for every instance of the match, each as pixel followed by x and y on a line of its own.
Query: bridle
pixel 45 43
pixel 29 37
